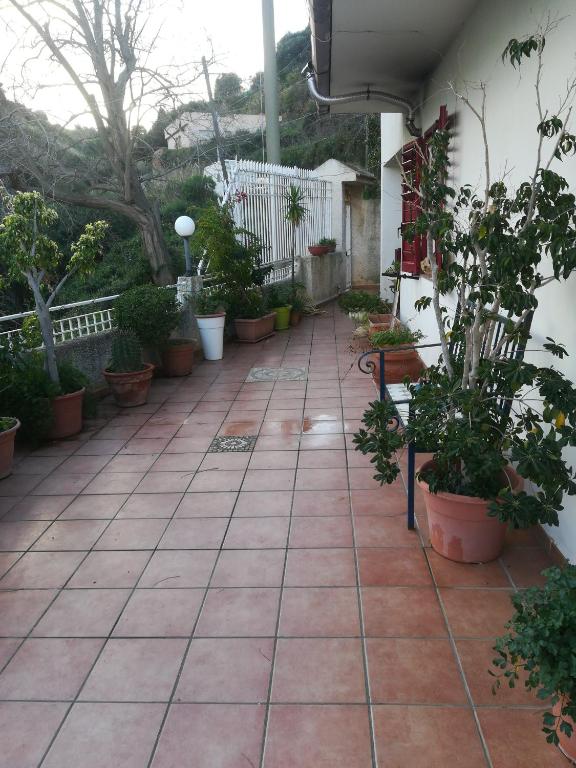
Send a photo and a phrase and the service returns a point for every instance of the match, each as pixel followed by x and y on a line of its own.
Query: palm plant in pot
pixel 539 647
pixel 295 214
pixel 28 253
pixel 481 409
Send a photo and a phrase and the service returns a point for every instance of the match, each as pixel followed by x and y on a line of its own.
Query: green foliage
pixel 278 295
pixel 71 378
pixel 250 306
pixel 396 336
pixel 209 303
pixel 6 423
pixel 149 312
pixel 227 88
pixel 478 409
pixel 541 643
pixel 295 211
pixel 329 241
pixel 360 301
pixel 126 354
pixel 27 391
pixel 31 334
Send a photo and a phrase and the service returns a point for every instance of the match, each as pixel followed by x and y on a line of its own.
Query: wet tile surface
pixel 214 579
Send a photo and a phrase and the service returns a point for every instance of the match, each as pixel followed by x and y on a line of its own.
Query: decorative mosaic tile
pixel 232 443
pixel 277 374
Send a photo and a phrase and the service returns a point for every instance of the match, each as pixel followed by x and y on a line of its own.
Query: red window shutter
pixel 411 168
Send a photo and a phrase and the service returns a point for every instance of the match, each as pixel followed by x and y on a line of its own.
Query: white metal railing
pixel 258 192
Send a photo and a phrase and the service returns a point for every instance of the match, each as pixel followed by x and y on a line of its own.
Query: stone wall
pixel 90 354
pixel 323 276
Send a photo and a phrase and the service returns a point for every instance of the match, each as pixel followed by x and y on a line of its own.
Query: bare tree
pixel 100 47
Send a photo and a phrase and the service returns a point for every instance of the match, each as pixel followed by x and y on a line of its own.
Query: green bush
pixel 126 353
pixel 250 306
pixel 541 643
pixel 360 301
pixel 278 296
pixel 208 303
pixel 396 336
pixel 27 392
pixel 149 312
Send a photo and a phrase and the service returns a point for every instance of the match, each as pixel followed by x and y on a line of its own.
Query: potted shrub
pixel 234 264
pixel 152 314
pixel 479 409
pixel 398 363
pixel 279 300
pixel 8 428
pixel 540 646
pixel 127 375
pixel 251 319
pixel 27 252
pixel 360 304
pixel 211 316
pixel 295 214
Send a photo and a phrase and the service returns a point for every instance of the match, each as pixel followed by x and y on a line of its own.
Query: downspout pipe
pixel 309 73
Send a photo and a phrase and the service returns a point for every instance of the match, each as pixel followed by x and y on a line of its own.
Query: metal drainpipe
pixel 310 75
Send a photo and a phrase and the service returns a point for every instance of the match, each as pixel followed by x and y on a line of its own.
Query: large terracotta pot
pixel 398 365
pixel 381 322
pixel 67 411
pixel 251 331
pixel 178 357
pixel 460 527
pixel 567 745
pixel 132 388
pixel 7 438
pixel 295 317
pixel 318 250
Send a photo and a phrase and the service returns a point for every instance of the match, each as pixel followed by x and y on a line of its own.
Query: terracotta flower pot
pixel 398 365
pixel 251 331
pixel 67 411
pixel 295 317
pixel 132 388
pixel 460 527
pixel 567 745
pixel 178 357
pixel 318 250
pixel 7 438
pixel 381 322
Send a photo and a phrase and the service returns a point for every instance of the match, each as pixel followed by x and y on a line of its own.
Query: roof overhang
pixel 385 46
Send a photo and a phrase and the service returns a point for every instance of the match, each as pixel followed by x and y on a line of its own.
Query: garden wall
pixel 90 354
pixel 323 276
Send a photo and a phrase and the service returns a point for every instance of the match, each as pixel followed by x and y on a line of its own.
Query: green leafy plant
pixel 31 333
pixel 278 295
pixel 208 303
pixel 540 644
pixel 478 408
pixel 126 356
pixel 149 312
pixel 396 336
pixel 27 252
pixel 329 241
pixel 295 214
pixel 361 301
pixel 250 306
pixel 7 423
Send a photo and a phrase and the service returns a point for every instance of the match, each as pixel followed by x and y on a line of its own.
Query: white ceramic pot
pixel 212 334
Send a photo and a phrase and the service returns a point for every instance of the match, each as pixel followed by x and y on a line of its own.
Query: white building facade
pixel 193 127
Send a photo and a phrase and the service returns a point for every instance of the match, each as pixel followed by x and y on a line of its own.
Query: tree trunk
pixel 155 247
pixel 46 329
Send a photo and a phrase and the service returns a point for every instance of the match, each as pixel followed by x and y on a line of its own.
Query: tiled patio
pixel 164 605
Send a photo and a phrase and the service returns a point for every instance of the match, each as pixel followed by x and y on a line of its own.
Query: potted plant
pixel 27 252
pixel 329 242
pixel 8 428
pixel 398 363
pixel 360 305
pixel 211 316
pixel 479 409
pixel 279 299
pixel 127 375
pixel 299 304
pixel 295 214
pixel 540 646
pixel 253 322
pixel 152 314
pixel 318 249
pixel 234 264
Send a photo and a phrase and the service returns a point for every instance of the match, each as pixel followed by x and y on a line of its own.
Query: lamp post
pixel 185 227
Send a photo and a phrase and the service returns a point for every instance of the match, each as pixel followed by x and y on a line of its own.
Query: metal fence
pixel 257 193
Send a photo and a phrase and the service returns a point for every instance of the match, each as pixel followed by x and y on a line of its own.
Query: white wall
pixel 512 118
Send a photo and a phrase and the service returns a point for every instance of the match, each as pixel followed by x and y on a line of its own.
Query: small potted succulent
pixel 280 301
pixel 152 314
pixel 398 363
pixel 540 646
pixel 8 428
pixel 28 252
pixel 127 375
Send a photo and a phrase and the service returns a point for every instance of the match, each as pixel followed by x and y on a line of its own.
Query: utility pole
pixel 215 123
pixel 270 84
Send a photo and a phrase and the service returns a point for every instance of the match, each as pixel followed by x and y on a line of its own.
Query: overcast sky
pixel 189 29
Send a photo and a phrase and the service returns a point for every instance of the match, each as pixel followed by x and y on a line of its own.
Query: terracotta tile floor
pixel 163 606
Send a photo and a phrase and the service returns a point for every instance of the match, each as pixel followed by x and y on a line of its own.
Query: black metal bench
pixel 401 397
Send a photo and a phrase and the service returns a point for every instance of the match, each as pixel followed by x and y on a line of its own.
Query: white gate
pixel 258 191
